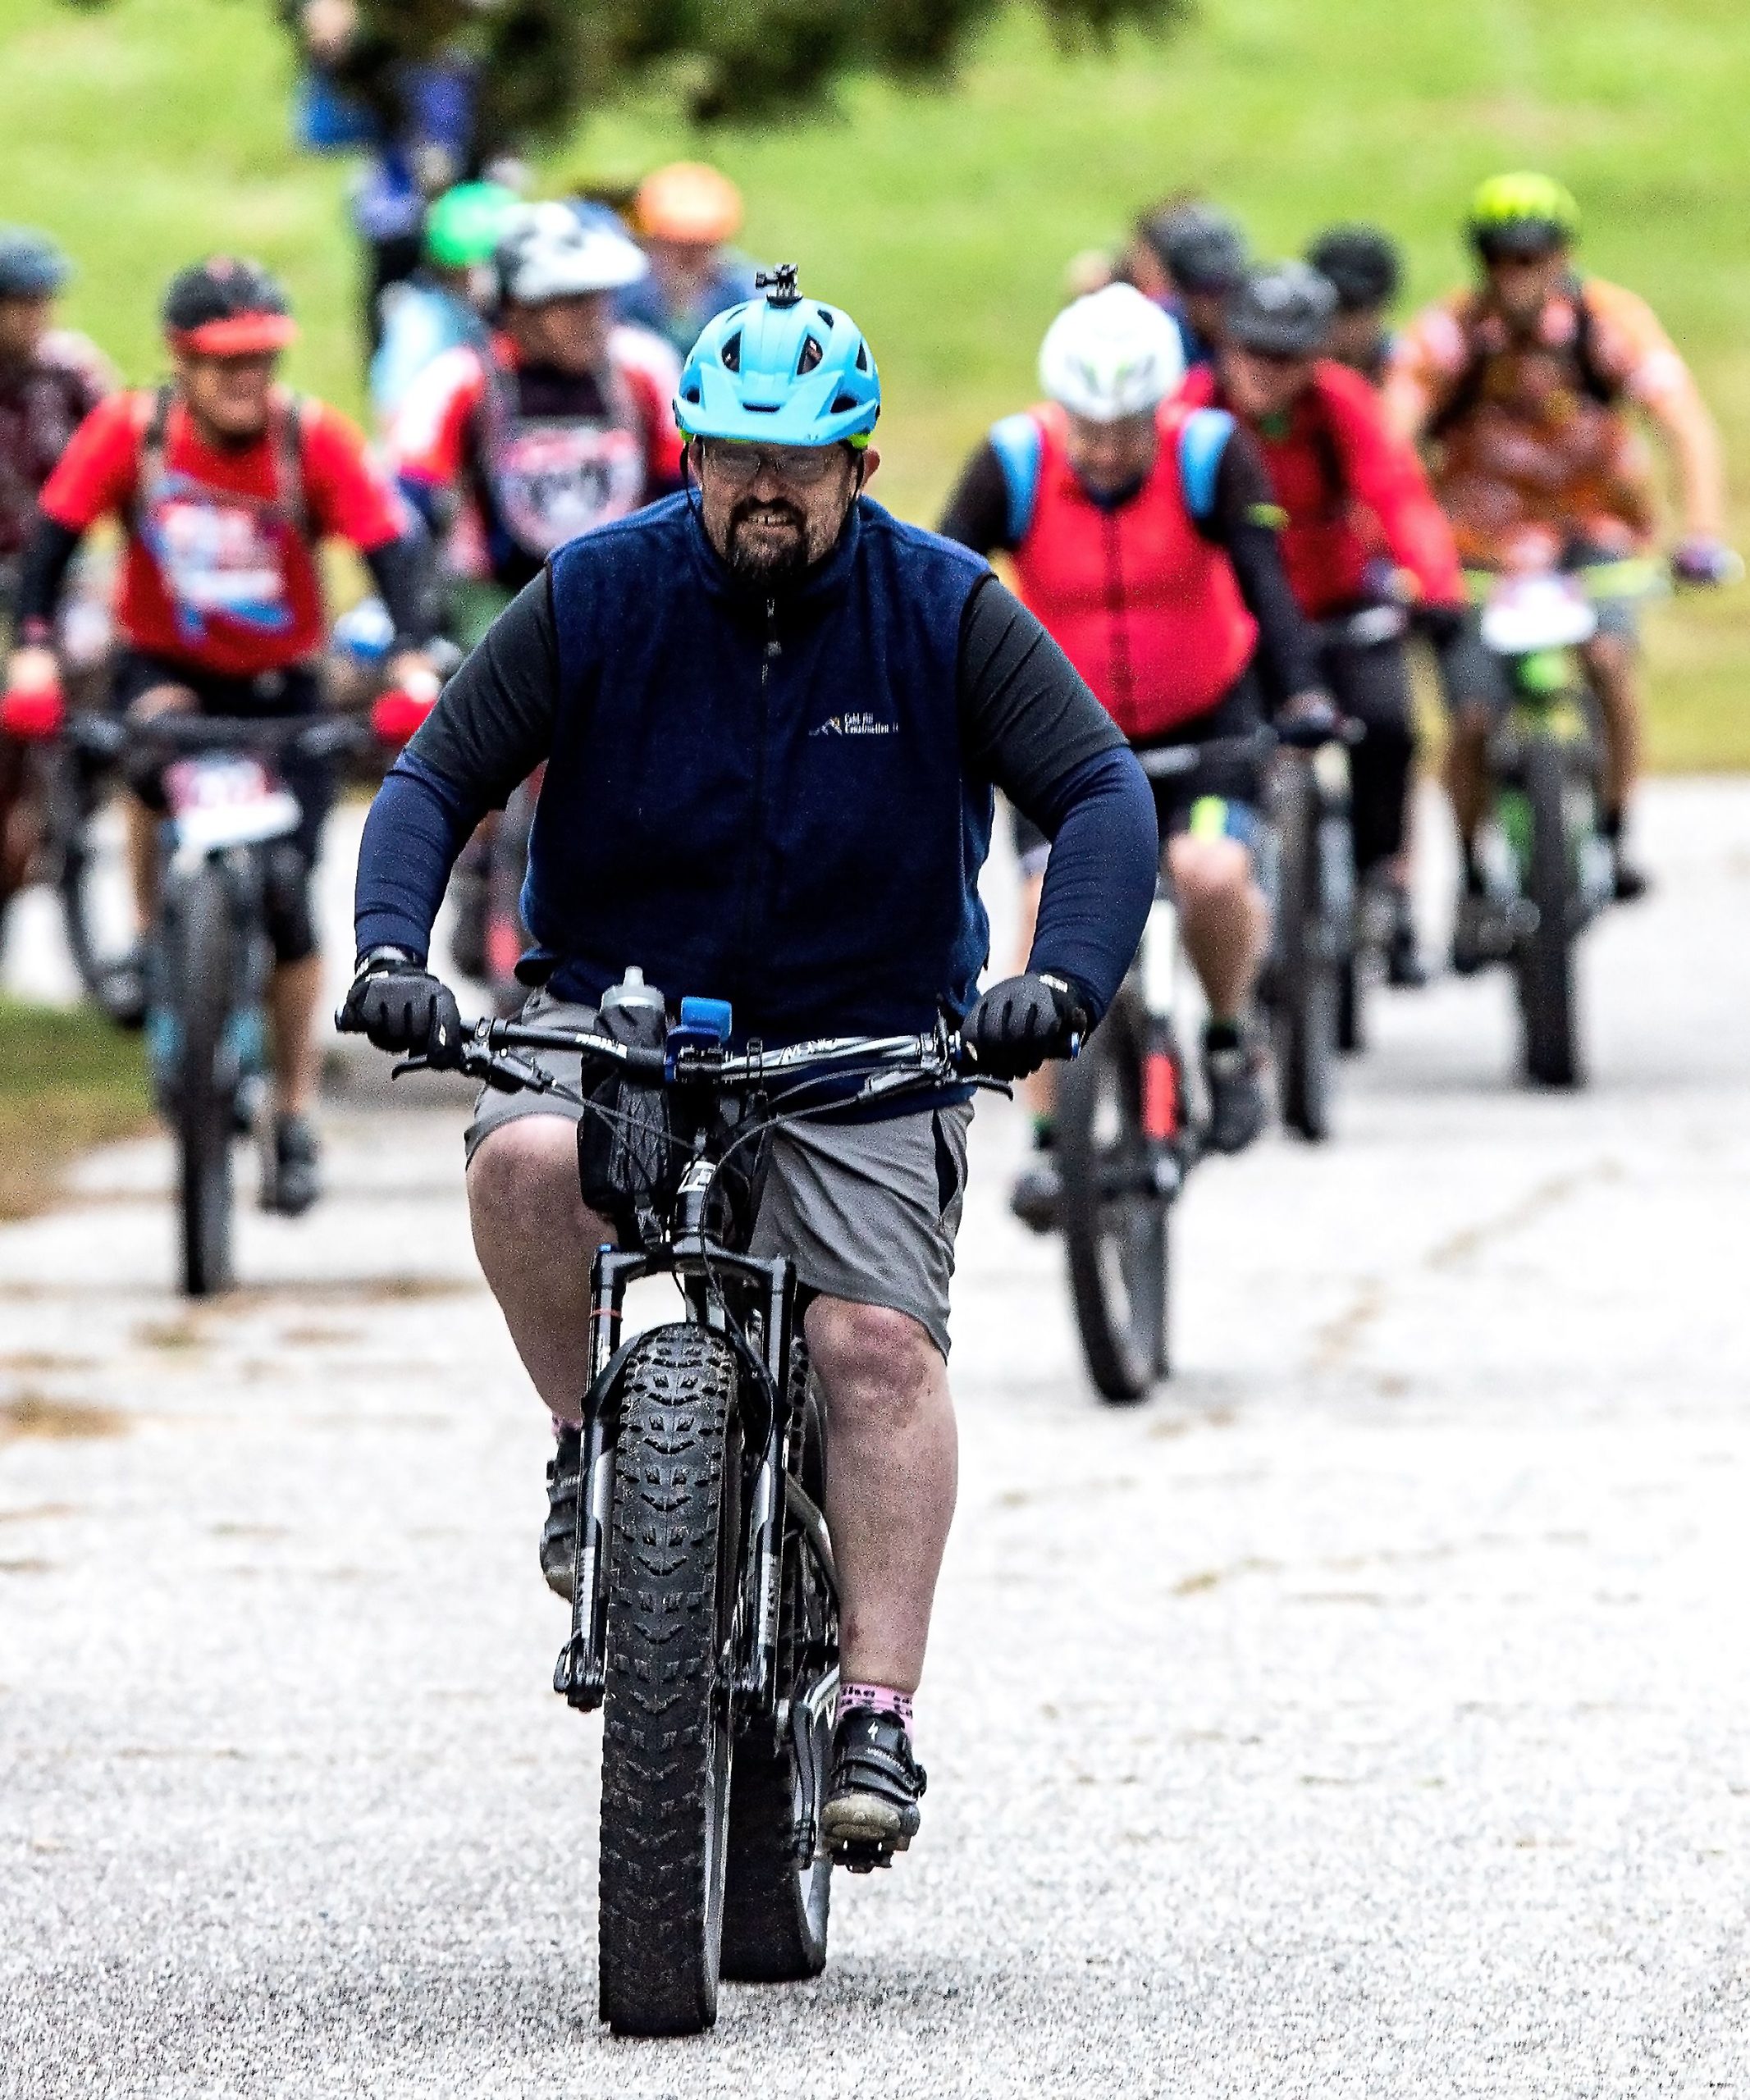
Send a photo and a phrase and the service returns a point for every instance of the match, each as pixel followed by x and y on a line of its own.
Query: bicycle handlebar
pixel 315 736
pixel 1180 761
pixel 898 1060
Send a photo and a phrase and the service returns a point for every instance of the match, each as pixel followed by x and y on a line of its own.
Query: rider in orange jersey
pixel 1521 388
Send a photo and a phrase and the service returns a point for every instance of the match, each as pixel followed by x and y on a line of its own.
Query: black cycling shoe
pixel 121 989
pixel 1233 1067
pixel 871 1808
pixel 1628 882
pixel 1480 934
pixel 1405 967
pixel 559 1535
pixel 297 1177
pixel 1034 1199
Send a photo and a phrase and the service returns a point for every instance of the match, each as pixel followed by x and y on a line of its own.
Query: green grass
pixel 158 127
pixel 67 1081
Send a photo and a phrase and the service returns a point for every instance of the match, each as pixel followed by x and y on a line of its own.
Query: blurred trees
pixel 541 65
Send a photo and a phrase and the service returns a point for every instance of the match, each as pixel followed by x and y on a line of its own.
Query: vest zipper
pixel 774 647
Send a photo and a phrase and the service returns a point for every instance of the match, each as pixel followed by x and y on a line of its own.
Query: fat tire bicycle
pixel 705 1613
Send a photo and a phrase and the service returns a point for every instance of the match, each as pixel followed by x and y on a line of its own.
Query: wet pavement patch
pixel 42 1414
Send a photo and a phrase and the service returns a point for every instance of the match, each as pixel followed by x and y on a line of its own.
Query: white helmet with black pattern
pixel 1111 354
pixel 548 252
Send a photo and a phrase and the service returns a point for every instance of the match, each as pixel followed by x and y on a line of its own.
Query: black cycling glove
pixel 400 1006
pixel 1020 1023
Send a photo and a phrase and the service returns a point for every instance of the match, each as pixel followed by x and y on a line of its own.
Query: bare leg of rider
pixel 1226 925
pixel 294 993
pixel 890 1497
pixel 890 1482
pixel 1466 771
pixel 1034 1199
pixel 1223 917
pixel 1611 659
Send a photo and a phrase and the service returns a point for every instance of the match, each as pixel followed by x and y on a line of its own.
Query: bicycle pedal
pixel 861 1855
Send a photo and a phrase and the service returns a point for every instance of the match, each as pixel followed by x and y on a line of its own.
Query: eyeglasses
pixel 802 466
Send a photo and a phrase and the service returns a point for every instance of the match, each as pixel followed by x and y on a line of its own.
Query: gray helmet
pixel 31 267
pixel 1362 263
pixel 1281 310
pixel 1200 249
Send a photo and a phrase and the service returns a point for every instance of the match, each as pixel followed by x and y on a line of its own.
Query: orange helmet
pixel 688 201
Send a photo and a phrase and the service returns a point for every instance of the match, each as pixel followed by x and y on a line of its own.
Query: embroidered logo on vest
pixel 863 724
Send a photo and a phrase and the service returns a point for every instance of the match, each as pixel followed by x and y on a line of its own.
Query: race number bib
pixel 553 481
pixel 220 557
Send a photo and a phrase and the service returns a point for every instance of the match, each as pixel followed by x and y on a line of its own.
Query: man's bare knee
pixel 522 1181
pixel 874 1364
pixel 1211 873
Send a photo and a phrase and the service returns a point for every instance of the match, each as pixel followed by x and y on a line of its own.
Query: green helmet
pixel 465 225
pixel 1522 215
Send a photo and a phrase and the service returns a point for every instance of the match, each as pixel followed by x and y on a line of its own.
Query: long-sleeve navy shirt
pixel 1028 724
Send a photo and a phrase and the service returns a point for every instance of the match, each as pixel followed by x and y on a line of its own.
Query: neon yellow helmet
pixel 1523 214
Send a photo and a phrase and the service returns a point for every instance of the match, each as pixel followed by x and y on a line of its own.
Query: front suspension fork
pixel 756 1676
pixel 580 1675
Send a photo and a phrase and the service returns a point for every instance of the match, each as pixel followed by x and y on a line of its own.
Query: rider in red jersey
pixel 1359 528
pixel 1142 533
pixel 225 484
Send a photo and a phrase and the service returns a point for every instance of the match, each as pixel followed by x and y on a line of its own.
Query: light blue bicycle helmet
pixel 780 370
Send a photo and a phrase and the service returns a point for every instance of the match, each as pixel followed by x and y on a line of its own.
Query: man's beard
pixel 764 561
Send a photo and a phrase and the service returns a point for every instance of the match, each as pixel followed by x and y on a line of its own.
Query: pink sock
pixel 879 1698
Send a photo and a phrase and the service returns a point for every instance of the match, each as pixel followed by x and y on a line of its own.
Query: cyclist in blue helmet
pixel 780 394
pixel 772 717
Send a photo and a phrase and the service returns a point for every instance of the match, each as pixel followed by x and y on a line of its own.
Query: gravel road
pixel 1365 1716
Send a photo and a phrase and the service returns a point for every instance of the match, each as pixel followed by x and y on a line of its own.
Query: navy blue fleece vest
pixel 763 799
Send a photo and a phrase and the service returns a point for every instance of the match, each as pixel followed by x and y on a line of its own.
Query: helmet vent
pixel 812 354
pixel 842 403
pixel 731 353
pixel 862 357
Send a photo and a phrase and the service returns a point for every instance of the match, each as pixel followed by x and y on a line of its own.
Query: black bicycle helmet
pixel 227 307
pixel 1280 310
pixel 1362 265
pixel 31 267
pixel 1200 249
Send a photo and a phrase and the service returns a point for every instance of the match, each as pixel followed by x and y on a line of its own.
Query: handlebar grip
pixel 33 714
pixel 397 714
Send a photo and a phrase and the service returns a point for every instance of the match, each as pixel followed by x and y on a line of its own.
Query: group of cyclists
pixel 771 716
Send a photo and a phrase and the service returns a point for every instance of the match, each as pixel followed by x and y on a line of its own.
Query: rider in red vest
pixel 1141 532
pixel 1361 530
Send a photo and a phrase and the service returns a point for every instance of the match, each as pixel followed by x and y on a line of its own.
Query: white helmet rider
pixel 548 252
pixel 1111 355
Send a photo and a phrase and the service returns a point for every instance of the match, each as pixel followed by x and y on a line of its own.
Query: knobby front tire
pixel 1548 1007
pixel 1116 1230
pixel 667 1728
pixel 198 962
pixel 1307 1016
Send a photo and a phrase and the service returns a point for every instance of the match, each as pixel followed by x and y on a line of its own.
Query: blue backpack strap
pixel 1203 439
pixel 1017 444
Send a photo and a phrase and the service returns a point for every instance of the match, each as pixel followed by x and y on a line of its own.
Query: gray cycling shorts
pixel 867 1212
